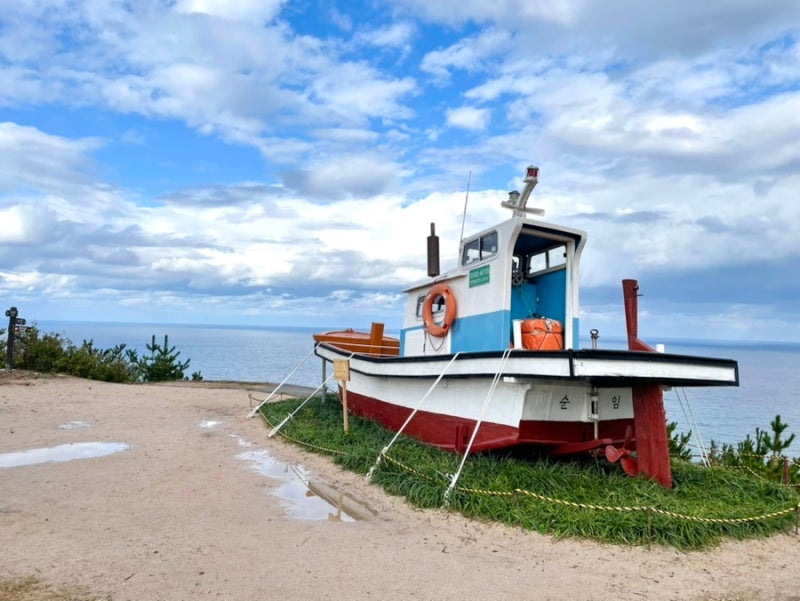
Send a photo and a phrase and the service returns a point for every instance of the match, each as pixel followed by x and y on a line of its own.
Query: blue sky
pixel 278 162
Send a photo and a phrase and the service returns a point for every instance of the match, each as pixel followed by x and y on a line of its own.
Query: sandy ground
pixel 180 515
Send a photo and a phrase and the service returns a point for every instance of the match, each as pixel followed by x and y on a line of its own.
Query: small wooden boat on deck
pixel 372 343
pixel 489 355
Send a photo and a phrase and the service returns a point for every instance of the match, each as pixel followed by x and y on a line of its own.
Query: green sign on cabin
pixel 479 276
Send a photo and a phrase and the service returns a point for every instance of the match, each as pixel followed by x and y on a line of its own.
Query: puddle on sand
pixel 303 498
pixel 61 453
pixel 73 425
pixel 242 442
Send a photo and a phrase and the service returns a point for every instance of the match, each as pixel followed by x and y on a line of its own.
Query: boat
pixel 373 343
pixel 489 355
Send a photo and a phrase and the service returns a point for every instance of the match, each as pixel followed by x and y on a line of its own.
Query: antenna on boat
pixel 516 201
pixel 466 198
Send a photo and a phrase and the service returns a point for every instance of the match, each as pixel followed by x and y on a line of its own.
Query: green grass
pixel 32 588
pixel 582 497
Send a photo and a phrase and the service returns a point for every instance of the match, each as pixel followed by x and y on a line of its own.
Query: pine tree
pixel 162 365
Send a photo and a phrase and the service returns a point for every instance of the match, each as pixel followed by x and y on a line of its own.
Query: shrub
pixel 679 442
pixel 54 353
pixel 761 454
pixel 39 352
pixel 162 365
pixel 116 364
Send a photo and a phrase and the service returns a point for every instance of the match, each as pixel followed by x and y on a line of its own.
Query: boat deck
pixel 601 367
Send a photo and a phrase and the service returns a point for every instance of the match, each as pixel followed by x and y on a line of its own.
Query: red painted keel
pixel 650 424
pixel 649 417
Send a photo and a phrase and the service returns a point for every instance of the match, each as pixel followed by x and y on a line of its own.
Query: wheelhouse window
pixel 480 249
pixel 436 308
pixel 547 260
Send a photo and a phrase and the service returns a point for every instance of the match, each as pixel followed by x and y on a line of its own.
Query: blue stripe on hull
pixel 485 332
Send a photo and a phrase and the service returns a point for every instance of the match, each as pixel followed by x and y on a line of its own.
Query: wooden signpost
pixel 16 325
pixel 341 372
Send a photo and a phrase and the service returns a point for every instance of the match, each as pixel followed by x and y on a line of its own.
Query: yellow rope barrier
pixel 610 508
pixel 300 442
pixel 755 518
pixel 556 501
pixel 408 468
pixel 539 497
pixel 488 493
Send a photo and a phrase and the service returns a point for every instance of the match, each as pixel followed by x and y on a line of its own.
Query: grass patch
pixel 30 588
pixel 581 497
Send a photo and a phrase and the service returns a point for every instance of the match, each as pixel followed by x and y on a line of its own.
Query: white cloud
pixel 500 11
pixel 337 177
pixel 35 159
pixel 468 117
pixel 469 54
pixel 13 226
pixel 347 135
pixel 341 20
pixel 19 85
pixel 632 28
pixel 238 10
pixel 25 224
pixel 354 92
pixel 172 64
pixel 668 131
pixel 395 35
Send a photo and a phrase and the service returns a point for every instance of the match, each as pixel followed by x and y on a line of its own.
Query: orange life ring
pixel 431 326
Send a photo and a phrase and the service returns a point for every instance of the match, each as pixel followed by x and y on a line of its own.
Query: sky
pixel 279 162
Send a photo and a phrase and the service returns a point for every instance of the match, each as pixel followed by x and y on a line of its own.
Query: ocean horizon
pixel 769 378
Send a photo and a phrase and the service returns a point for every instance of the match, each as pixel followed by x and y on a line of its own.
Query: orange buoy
pixel 434 329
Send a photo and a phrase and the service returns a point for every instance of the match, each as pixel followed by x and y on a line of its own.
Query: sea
pixel 769 373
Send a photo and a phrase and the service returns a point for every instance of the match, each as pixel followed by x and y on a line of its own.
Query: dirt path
pixel 181 513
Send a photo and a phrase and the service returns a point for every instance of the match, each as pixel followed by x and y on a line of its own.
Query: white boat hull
pixel 539 398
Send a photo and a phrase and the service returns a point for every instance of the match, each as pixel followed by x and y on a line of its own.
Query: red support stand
pixel 650 429
pixel 649 417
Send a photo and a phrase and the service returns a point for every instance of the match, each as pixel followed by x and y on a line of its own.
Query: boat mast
pixel 516 201
pixel 464 216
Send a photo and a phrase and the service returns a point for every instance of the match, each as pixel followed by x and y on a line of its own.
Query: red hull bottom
pixel 453 433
